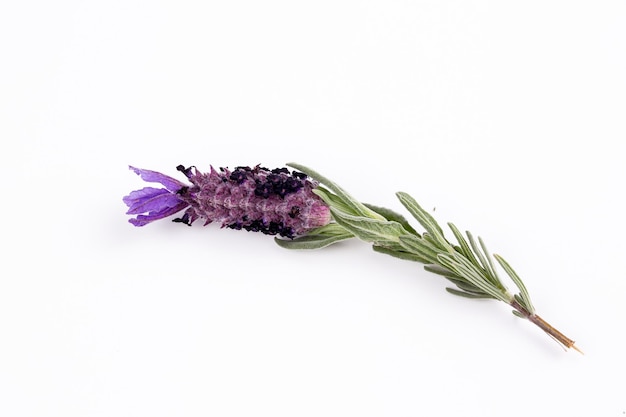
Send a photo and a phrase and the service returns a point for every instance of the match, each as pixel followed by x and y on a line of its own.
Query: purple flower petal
pixel 150 200
pixel 142 220
pixel 136 197
pixel 150 204
pixel 170 183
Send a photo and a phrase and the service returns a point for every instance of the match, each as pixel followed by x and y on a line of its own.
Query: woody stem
pixel 545 326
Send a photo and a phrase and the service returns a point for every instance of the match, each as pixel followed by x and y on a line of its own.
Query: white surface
pixel 507 119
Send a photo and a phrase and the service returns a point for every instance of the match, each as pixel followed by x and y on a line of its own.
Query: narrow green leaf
pixel 356 207
pixel 465 248
pixel 468 287
pixel 399 254
pixel 460 282
pixel 455 279
pixel 440 270
pixel 420 247
pixel 317 238
pixel 492 269
pixel 518 282
pixel 423 217
pixel 391 215
pixel 484 264
pixel 467 294
pixel 467 270
pixel 311 241
pixel 368 229
pixel 331 199
pixel 329 229
pixel 445 247
pixel 518 314
pixel 520 300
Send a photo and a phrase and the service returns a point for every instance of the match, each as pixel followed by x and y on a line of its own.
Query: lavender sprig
pixel 309 211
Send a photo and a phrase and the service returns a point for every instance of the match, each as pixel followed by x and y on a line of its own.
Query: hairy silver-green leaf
pixel 469 287
pixel 467 294
pixel 392 216
pixel 518 314
pixel 441 246
pixel 475 276
pixel 440 270
pixel 368 229
pixel 518 282
pixel 318 238
pixel 399 254
pixel 419 246
pixel 486 266
pixel 332 200
pixel 491 267
pixel 356 206
pixel 422 216
pixel 465 248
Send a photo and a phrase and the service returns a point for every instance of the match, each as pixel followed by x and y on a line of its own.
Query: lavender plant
pixel 308 211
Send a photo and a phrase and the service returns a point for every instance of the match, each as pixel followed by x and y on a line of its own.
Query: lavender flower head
pixel 274 202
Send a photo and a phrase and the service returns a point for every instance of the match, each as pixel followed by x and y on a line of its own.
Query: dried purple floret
pixel 274 202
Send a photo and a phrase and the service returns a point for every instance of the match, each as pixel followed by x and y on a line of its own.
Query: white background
pixel 504 117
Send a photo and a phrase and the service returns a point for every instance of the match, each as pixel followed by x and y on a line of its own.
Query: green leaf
pixel 457 280
pixel 420 247
pixel 476 250
pixel 465 248
pixel 520 300
pixel 485 261
pixel 356 207
pixel 492 270
pixel 444 272
pixel 392 216
pixel 445 247
pixel 468 287
pixel 518 282
pixel 316 239
pixel 330 228
pixel 518 314
pixel 407 256
pixel 464 268
pixel 423 217
pixel 368 229
pixel 467 294
pixel 331 199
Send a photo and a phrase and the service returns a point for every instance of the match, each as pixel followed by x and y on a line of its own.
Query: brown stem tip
pixel 546 327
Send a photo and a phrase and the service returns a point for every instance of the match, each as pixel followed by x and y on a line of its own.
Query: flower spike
pixel 274 202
